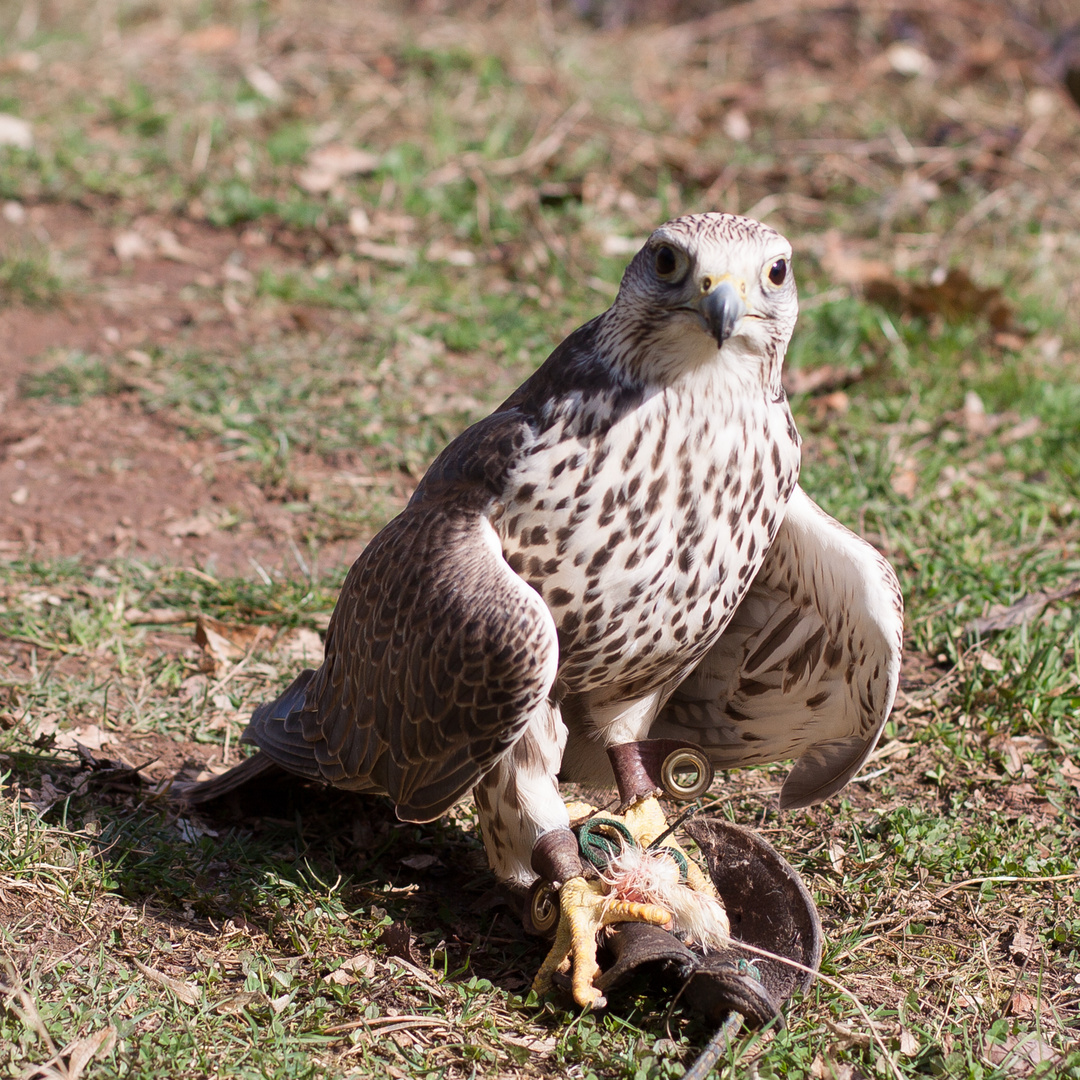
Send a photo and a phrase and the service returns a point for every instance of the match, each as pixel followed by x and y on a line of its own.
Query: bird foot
pixel 585 907
pixel 662 886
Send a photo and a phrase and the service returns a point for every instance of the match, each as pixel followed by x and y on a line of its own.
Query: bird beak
pixel 722 308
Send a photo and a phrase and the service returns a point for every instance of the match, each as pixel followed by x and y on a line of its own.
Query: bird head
pixel 707 287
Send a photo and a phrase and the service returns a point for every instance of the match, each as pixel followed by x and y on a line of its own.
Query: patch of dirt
pixel 105 478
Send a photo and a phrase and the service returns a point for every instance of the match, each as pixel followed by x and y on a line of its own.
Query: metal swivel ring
pixel 544 908
pixel 686 774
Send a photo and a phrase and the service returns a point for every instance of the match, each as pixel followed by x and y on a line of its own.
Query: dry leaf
pixel 976 422
pixel 1022 944
pixel 1020 1054
pixel 1001 617
pixel 539 1047
pixel 1070 773
pixel 1011 758
pixel 1021 1004
pixel 130 245
pixel 212 39
pixel 351 969
pixel 909 1043
pixel 421 862
pixel 301 645
pixel 262 82
pixel 905 482
pixel 199 525
pixel 89 735
pixel 82 1051
pixel 188 993
pixel 326 165
pixel 845 266
pixel 169 247
pixel 827 378
pixel 155 616
pixel 952 295
pixel 907 60
pixel 836 856
pixel 389 253
pixel 236 1003
pixel 397 940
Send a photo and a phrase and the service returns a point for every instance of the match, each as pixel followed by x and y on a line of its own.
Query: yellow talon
pixel 584 907
pixel 587 905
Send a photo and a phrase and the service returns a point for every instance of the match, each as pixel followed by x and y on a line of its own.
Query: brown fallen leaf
pixel 155 616
pixel 1070 773
pixel 1020 1054
pixel 1021 1004
pixel 350 970
pixel 79 1054
pixel 199 525
pixel 397 940
pixel 1001 617
pixel 211 39
pixel 326 165
pixel 238 1002
pixel 1022 944
pixel 225 643
pixel 845 265
pixel 301 645
pixel 824 379
pixel 188 993
pixel 905 482
pixel 954 297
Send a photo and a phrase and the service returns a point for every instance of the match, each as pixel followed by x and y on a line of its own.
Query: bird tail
pixel 197 792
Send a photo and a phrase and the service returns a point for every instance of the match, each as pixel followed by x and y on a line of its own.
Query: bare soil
pixel 105 477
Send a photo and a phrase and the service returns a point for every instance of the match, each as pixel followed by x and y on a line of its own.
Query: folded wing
pixel 808 666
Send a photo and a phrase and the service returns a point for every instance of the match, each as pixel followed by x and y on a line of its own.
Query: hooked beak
pixel 722 308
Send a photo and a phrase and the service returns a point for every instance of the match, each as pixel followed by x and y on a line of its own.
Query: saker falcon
pixel 619 554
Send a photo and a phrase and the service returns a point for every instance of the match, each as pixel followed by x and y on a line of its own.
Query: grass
pixel 272 946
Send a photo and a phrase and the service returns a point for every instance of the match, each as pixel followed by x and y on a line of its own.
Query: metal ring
pixel 544 909
pixel 678 761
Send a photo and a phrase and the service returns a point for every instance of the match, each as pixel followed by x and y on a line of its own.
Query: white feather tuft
pixel 651 877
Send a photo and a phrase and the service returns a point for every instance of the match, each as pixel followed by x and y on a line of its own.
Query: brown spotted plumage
pixel 619 551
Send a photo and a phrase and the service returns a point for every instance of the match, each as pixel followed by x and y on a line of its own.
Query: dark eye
pixel 778 272
pixel 666 262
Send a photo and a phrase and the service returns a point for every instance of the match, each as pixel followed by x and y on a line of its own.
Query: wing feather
pixel 808 666
pixel 436 655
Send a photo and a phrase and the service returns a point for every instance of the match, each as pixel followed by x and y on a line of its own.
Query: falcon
pixel 616 567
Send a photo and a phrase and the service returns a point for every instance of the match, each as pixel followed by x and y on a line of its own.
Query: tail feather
pixel 197 792
pixel 282 749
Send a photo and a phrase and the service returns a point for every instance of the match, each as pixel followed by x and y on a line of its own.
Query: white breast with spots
pixel 642 540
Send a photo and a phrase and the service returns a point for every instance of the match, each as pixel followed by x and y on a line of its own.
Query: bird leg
pixel 657 884
pixel 652 767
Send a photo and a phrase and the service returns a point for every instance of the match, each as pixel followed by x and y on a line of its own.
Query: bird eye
pixel 778 272
pixel 666 261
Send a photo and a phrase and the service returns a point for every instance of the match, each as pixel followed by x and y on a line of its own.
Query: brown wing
pixel 808 666
pixel 436 653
